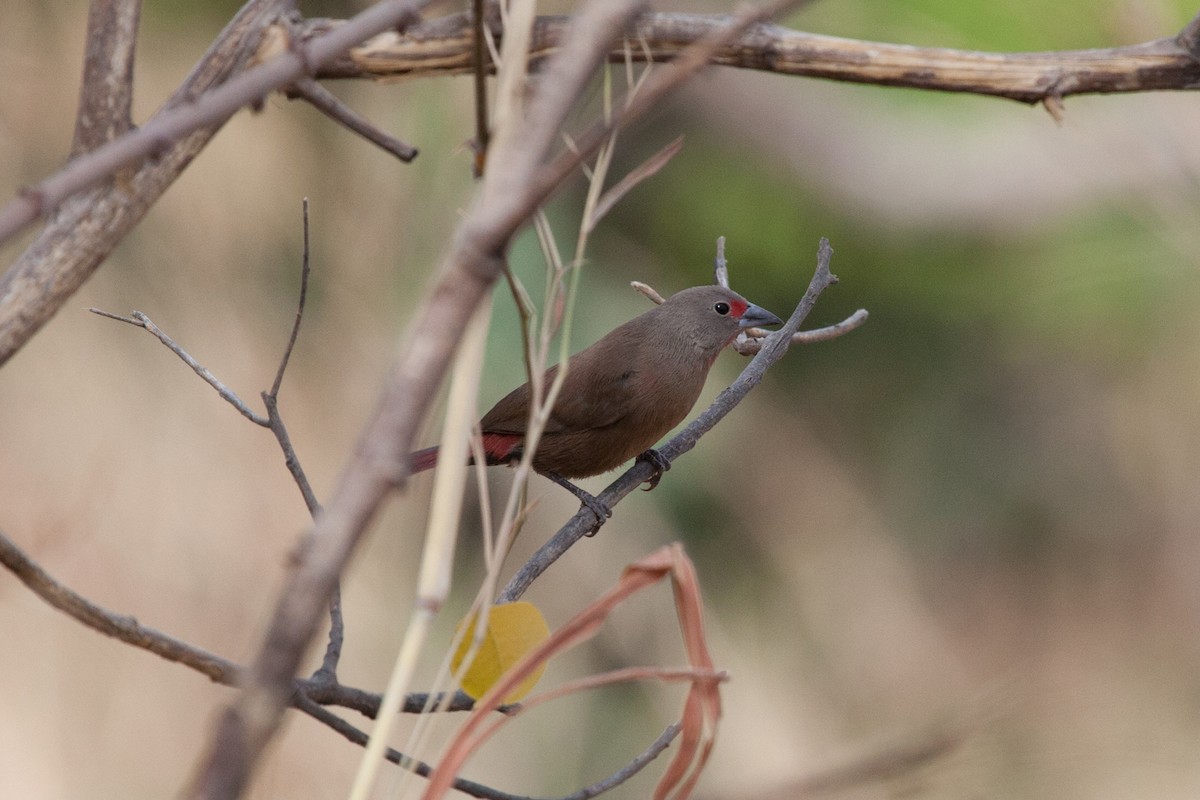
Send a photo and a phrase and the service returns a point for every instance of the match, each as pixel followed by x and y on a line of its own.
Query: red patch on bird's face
pixel 737 308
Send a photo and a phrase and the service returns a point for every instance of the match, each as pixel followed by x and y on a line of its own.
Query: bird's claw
pixel 660 464
pixel 593 504
pixel 590 502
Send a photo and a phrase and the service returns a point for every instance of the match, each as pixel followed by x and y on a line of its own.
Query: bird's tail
pixel 499 448
pixel 423 459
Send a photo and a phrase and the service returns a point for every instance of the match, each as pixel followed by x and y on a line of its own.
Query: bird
pixel 621 394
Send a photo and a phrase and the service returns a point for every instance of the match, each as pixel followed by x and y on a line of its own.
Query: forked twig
pixel 272 421
pixel 750 342
pixel 772 349
pixel 140 320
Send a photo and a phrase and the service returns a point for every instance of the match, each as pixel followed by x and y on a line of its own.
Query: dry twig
pixel 442 46
pixel 773 348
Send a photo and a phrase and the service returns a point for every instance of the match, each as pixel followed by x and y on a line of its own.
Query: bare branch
pixel 138 319
pixel 632 768
pixel 305 271
pixel 772 350
pixel 720 265
pixel 359 737
pixel 752 345
pixel 125 629
pixel 441 46
pixel 328 104
pixel 750 341
pixel 480 68
pixel 309 696
pixel 88 225
pixel 327 673
pixel 648 291
pixel 106 92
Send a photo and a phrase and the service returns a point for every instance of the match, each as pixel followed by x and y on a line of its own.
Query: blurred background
pixel 968 528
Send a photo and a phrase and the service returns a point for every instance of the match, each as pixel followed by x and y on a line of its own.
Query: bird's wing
pixel 597 393
pixel 510 414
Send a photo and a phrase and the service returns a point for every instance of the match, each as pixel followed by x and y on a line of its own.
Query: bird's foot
pixel 593 504
pixel 590 502
pixel 660 464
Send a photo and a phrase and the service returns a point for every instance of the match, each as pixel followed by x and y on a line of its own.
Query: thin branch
pixel 305 271
pixel 720 265
pixel 479 67
pixel 122 628
pixel 772 350
pixel 218 669
pixel 752 345
pixel 750 342
pixel 140 320
pixel 359 737
pixel 328 104
pixel 643 171
pixel 440 47
pixel 632 768
pixel 327 673
pixel 648 291
pixel 650 92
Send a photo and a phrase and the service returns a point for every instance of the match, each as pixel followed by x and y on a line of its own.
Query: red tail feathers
pixel 501 448
pixel 423 459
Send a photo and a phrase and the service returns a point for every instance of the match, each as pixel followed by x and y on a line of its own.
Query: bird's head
pixel 713 315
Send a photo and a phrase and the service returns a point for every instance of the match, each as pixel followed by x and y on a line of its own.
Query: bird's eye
pixel 721 308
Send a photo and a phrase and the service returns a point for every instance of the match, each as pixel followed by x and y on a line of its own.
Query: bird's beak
pixel 755 317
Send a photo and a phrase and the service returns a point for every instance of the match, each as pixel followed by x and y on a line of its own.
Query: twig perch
pixel 750 342
pixel 771 350
pixel 513 186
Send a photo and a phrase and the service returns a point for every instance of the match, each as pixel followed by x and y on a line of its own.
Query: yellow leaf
pixel 513 629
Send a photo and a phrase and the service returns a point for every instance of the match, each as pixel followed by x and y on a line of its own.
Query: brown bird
pixel 622 394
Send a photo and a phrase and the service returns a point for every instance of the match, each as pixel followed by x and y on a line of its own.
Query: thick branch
pixel 443 46
pixel 89 222
pixel 85 229
pixel 106 92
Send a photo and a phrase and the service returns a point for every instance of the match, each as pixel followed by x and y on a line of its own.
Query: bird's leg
pixel 590 502
pixel 660 464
